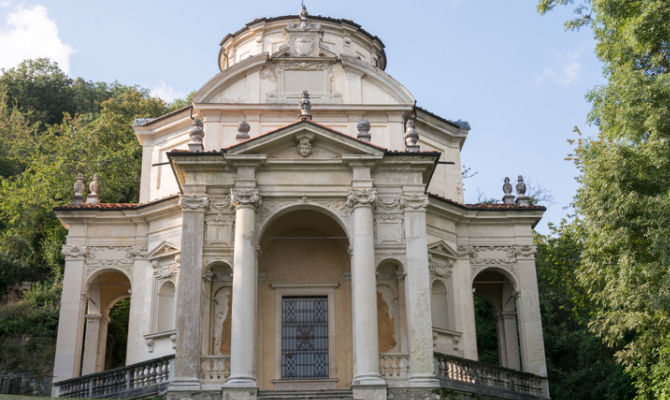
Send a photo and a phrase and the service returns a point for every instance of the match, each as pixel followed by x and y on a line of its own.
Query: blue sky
pixel 516 76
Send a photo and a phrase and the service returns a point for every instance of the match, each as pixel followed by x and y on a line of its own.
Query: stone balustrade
pixel 474 376
pixel 214 369
pixel 394 366
pixel 141 379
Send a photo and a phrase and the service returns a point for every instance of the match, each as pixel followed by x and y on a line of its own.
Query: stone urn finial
pixel 196 134
pixel 521 199
pixel 303 15
pixel 363 127
pixel 411 136
pixel 243 129
pixel 508 197
pixel 93 187
pixel 79 188
pixel 305 106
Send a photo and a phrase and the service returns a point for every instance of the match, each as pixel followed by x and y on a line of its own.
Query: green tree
pixel 40 86
pixel 624 198
pixel 579 364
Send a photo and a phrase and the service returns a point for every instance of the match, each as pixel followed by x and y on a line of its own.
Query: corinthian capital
pixel 414 201
pixel 245 197
pixel 361 197
pixel 193 201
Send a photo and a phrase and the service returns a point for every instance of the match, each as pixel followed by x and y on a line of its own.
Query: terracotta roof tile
pixel 113 206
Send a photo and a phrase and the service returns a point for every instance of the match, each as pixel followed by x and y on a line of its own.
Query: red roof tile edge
pixel 113 206
pixel 489 206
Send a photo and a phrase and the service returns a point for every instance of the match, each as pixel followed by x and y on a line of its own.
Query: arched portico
pixel 498 288
pixel 104 289
pixel 304 301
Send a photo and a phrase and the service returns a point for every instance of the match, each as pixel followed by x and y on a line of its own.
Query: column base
pixel 369 391
pixel 184 384
pixel 427 381
pixel 239 392
pixel 368 380
pixel 242 382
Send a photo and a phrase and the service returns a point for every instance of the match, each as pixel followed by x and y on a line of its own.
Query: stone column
pixel 417 287
pixel 364 288
pixel 67 362
pixel 188 315
pixel 245 284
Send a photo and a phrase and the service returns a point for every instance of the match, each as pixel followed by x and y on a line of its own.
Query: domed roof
pixel 301 35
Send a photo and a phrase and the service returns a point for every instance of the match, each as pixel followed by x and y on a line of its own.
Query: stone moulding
pixel 271 206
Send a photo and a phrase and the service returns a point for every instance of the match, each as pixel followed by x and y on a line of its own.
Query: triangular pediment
pixel 163 249
pixel 306 141
pixel 443 249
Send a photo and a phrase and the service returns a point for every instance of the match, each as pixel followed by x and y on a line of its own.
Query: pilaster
pixel 530 322
pixel 67 362
pixel 417 289
pixel 188 315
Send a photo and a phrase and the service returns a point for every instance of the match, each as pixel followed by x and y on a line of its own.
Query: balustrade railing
pixel 214 369
pixel 394 365
pixel 144 378
pixel 464 372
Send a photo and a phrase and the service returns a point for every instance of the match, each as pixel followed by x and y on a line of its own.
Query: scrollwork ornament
pixel 361 197
pixel 245 198
pixel 414 201
pixel 193 202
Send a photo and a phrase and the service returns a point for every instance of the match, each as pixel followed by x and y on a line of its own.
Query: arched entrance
pixel 495 307
pixel 108 294
pixel 304 303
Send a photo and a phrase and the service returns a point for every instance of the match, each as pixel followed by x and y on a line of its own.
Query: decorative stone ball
pixel 243 127
pixel 363 125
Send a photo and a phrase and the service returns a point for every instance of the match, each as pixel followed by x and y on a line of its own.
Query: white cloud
pixel 165 92
pixel 564 72
pixel 30 33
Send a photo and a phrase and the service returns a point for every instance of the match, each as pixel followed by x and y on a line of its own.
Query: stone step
pixel 305 394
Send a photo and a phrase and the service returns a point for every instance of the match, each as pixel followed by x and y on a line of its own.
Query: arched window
pixel 165 315
pixel 439 304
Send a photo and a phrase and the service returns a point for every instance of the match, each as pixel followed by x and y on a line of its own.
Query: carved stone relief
pixel 107 256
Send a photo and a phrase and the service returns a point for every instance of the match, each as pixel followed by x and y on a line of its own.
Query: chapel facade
pixel 301 230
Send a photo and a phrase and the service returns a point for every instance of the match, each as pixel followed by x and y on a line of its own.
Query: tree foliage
pixel 579 365
pixel 53 128
pixel 624 198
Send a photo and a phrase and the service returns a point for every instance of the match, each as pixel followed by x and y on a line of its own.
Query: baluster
pixel 226 372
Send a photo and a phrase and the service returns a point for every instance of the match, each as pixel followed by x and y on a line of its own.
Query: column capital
pixel 73 252
pixel 245 198
pixel 414 201
pixel 193 202
pixel 361 197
